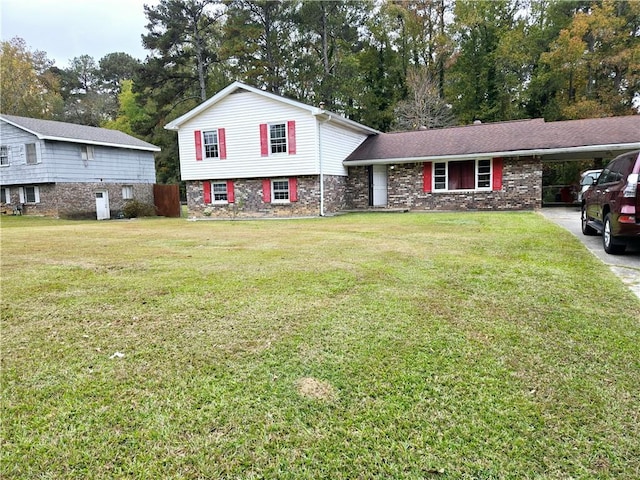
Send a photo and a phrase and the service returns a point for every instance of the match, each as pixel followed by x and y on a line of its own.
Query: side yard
pixel 466 345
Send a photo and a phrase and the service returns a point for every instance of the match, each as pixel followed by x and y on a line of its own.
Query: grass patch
pixel 365 346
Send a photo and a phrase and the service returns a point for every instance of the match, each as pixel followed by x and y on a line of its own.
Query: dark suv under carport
pixel 611 206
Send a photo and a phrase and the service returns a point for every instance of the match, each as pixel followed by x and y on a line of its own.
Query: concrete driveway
pixel 626 266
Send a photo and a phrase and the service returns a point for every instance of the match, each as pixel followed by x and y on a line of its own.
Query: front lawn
pixel 449 346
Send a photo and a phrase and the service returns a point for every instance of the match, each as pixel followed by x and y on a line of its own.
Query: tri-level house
pixel 73 171
pixel 251 152
pixel 248 152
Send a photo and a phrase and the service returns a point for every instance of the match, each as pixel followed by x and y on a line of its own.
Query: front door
pixel 379 180
pixel 102 205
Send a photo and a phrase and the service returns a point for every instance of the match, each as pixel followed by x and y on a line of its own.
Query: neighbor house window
pixel 29 195
pixel 87 152
pixel 462 175
pixel 32 156
pixel 4 155
pixel 127 192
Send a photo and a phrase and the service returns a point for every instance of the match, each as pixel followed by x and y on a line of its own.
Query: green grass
pixel 453 346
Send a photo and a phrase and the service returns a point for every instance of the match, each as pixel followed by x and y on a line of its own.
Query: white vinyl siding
pixel 336 144
pixel 241 115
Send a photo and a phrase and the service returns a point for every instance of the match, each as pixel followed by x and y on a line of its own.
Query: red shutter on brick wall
pixel 231 193
pixel 291 136
pixel 293 189
pixel 222 142
pixel 497 174
pixel 426 177
pixel 266 190
pixel 198 138
pixel 206 187
pixel 264 140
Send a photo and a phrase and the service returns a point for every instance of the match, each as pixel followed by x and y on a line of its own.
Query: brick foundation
pixel 249 204
pixel 77 200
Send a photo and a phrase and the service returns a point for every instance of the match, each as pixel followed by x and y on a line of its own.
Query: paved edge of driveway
pixel 569 219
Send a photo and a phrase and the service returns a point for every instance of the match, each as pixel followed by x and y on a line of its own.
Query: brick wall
pixel 521 189
pixel 249 204
pixel 77 200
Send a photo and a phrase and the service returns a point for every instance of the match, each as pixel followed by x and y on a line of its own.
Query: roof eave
pixel 151 148
pixel 485 155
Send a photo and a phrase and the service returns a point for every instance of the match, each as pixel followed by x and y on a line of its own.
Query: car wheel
pixel 586 229
pixel 608 242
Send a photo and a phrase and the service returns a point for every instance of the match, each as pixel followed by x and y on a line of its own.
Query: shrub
pixel 135 208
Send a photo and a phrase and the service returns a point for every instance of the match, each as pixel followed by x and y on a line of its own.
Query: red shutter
pixel 291 134
pixel 231 193
pixel 497 174
pixel 222 143
pixel 264 140
pixel 293 189
pixel 206 187
pixel 266 190
pixel 198 137
pixel 426 176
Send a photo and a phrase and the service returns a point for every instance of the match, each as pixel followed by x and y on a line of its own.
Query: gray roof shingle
pixel 52 130
pixel 487 138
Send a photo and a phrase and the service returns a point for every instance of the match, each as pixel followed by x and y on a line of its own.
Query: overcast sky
pixel 65 29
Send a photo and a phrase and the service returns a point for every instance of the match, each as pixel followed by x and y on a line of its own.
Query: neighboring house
pixel 246 151
pixel 72 171
pixel 253 153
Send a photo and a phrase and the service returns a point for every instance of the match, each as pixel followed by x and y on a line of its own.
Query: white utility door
pixel 102 205
pixel 379 185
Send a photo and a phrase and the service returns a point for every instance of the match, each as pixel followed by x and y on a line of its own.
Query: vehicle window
pixel 624 166
pixel 605 175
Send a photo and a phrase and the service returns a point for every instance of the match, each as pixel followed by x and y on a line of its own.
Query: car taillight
pixel 632 186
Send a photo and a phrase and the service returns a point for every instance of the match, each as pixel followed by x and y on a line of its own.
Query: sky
pixel 65 29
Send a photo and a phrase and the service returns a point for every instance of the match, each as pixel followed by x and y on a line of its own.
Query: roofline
pixel 40 136
pixel 102 144
pixel 174 125
pixel 488 155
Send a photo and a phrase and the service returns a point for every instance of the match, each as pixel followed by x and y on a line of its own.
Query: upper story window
pixel 87 152
pixel 32 154
pixel 278 138
pixel 210 144
pixel 4 155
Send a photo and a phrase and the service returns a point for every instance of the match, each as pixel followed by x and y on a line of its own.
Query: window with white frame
pixel 219 192
pixel 211 144
pixel 32 155
pixel 5 195
pixel 278 137
pixel 87 152
pixel 127 192
pixel 4 155
pixel 280 190
pixel 462 175
pixel 30 194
